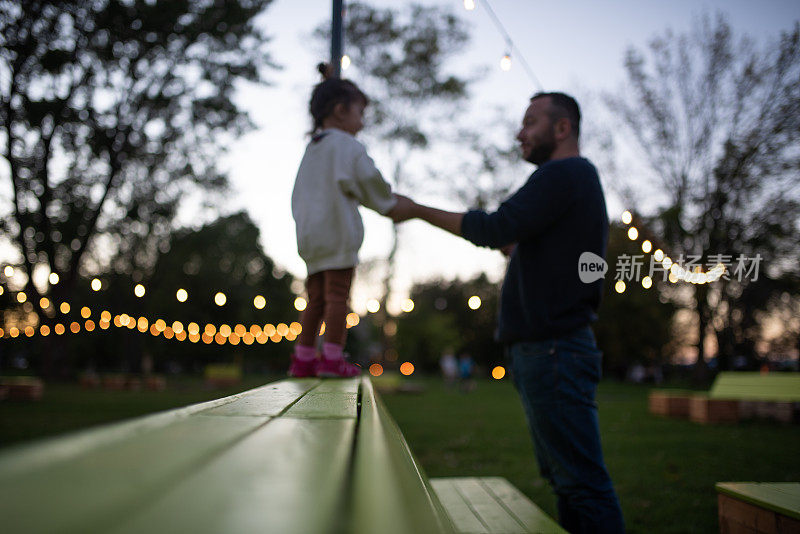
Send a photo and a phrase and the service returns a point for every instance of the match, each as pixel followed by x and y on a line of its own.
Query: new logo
pixel 591 267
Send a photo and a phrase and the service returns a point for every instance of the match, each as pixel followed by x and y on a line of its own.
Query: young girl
pixel 335 176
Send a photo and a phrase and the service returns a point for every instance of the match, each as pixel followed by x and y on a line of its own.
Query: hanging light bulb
pixel 505 63
pixel 469 5
pixel 345 62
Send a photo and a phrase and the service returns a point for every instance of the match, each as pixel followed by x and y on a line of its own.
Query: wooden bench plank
pixel 269 400
pixel 288 476
pixel 496 518
pixel 781 497
pixel 51 451
pixel 91 491
pixel 493 502
pixel 464 518
pixel 325 405
pixel 390 492
pixel 526 512
pixel 756 386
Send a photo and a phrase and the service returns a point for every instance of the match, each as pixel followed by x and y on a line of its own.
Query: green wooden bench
pixel 767 508
pixel 297 456
pixel 737 395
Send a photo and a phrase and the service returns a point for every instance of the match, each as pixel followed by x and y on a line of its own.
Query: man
pixel 545 308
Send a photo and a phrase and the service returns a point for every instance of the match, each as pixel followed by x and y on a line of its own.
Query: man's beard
pixel 543 150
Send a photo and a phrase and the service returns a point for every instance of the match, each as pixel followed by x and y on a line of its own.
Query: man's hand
pixel 403 210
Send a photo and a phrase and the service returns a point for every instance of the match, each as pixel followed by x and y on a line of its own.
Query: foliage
pixel 112 111
pixel 717 121
pixel 225 256
pixel 441 320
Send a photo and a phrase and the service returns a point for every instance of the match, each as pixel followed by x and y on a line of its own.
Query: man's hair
pixel 563 106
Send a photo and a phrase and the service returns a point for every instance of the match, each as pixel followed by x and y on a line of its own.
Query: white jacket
pixel 335 176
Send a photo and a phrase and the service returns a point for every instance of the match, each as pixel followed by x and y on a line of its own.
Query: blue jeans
pixel 557 380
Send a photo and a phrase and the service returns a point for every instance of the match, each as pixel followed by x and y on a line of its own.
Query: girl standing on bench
pixel 335 176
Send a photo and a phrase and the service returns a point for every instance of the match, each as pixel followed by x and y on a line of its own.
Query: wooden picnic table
pixel 296 456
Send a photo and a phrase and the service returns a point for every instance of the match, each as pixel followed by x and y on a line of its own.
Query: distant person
pixel 449 367
pixel 546 226
pixel 335 177
pixel 466 368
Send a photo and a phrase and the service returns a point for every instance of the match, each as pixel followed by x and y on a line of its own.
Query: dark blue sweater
pixel 557 215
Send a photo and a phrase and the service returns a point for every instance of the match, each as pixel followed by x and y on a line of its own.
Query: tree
pixel 716 120
pixel 112 111
pixel 442 320
pixel 400 58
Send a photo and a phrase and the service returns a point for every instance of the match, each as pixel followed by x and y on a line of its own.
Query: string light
pixel 373 306
pixel 96 285
pixel 182 295
pixel 407 306
pixel 8 271
pixel 220 299
pixel 139 290
pixel 53 278
pixel 498 372
pixel 505 62
pixel 345 62
pixel 474 302
pixel 676 272
pixel 259 302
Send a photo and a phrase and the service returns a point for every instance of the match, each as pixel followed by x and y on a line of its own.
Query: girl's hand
pixel 403 210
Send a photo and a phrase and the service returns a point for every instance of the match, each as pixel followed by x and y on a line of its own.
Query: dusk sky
pixel 575 47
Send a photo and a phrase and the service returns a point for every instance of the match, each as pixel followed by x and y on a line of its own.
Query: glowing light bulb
pixel 8 271
pixel 97 285
pixel 498 372
pixel 220 299
pixel 373 306
pixel 53 278
pixel 647 282
pixel 407 368
pixel 139 290
pixel 658 255
pixel 647 246
pixel 627 217
pixel 182 295
pixel 505 63
pixel 469 5
pixel 300 304
pixel 619 287
pixel 407 306
pixel 345 62
pixel 259 302
pixel 474 302
pixel 633 233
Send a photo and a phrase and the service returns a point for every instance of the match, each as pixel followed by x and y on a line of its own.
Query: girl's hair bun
pixel 324 69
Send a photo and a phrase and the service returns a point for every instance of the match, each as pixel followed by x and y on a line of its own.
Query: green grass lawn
pixel 664 469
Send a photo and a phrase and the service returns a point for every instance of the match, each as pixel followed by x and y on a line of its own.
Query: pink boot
pixel 337 368
pixel 303 368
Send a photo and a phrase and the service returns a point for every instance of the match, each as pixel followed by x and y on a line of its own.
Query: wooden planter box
pixel 22 388
pixel 669 403
pixel 754 508
pixel 705 410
